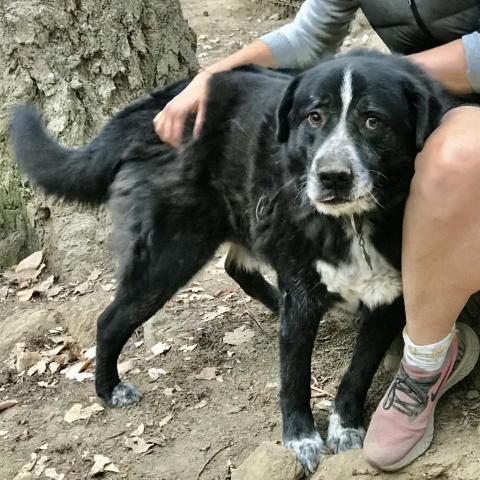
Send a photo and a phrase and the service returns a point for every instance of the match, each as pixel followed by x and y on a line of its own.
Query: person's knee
pixel 446 166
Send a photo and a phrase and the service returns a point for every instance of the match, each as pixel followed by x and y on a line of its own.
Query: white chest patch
pixel 355 282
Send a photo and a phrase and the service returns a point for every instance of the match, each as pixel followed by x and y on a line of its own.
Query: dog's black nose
pixel 336 179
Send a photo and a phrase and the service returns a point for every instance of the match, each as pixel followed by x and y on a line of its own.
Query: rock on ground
pixel 22 325
pixel 432 465
pixel 80 317
pixel 344 466
pixel 269 461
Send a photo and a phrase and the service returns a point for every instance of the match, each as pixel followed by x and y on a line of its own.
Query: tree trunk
pixel 79 61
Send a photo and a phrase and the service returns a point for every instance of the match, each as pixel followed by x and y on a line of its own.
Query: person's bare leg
pixel 441 269
pixel 441 241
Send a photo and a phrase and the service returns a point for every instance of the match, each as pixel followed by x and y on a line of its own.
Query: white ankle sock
pixel 426 357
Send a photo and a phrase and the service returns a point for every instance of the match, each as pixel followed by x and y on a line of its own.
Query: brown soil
pixel 214 422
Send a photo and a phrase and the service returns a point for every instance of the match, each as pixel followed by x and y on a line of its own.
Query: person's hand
pixel 170 121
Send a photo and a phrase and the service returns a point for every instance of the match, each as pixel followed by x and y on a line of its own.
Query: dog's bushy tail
pixel 83 174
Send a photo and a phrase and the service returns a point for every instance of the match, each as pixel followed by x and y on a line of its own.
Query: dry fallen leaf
pixel 32 262
pixel 138 431
pixel 111 468
pixel 125 367
pixel 138 444
pixel 236 409
pixel 160 348
pixel 238 336
pixel 25 359
pixel 200 404
pixel 155 373
pixel 6 404
pixel 25 295
pixel 25 471
pixel 102 464
pixel 90 353
pixel 81 376
pixel 75 371
pixel 164 421
pixel 208 373
pixel 168 391
pixel 3 433
pixel 54 291
pixel 66 339
pixel 54 351
pixel 83 288
pixel 45 384
pixel 219 311
pixel 187 348
pixel 53 367
pixel 77 412
pixel 40 368
pixel 52 473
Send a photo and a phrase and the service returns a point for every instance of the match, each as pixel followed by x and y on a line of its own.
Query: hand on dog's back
pixel 170 121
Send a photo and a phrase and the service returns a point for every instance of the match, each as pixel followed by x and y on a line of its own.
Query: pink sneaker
pixel 401 429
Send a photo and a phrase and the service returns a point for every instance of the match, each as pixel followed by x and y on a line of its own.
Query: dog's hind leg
pixel 245 271
pixel 379 329
pixel 159 267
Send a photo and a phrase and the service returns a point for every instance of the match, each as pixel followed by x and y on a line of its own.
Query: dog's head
pixel 352 127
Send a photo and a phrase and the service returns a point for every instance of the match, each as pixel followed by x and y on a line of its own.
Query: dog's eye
pixel 372 123
pixel 315 119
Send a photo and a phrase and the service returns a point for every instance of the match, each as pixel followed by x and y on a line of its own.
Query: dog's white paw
pixel 123 394
pixel 341 439
pixel 309 450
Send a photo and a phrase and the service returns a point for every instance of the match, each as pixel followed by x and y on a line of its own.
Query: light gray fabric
pixel 319 27
pixel 471 44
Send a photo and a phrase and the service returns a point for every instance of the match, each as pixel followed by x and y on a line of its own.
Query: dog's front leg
pixel 299 318
pixel 378 330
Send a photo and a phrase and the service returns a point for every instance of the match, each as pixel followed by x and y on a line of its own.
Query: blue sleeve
pixel 471 45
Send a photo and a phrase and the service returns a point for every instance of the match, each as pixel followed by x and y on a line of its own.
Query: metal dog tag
pixel 357 228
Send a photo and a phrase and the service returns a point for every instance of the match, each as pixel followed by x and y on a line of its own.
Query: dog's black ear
pixel 427 110
pixel 283 110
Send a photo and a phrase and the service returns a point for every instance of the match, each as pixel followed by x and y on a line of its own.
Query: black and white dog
pixel 306 173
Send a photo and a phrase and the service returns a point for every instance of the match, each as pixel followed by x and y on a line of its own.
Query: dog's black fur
pixel 243 181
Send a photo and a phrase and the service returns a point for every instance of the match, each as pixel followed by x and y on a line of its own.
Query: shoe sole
pixel 469 339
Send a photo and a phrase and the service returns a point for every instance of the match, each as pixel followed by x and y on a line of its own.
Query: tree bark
pixel 79 61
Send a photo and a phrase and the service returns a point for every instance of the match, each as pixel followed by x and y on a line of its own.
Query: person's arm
pixel 169 122
pixel 319 26
pixel 456 64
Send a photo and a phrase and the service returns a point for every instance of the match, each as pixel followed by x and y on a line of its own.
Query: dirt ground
pixel 186 427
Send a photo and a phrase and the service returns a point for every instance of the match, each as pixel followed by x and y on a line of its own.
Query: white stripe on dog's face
pixel 346 93
pixel 339 138
pixel 339 151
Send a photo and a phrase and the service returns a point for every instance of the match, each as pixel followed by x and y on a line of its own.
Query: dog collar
pixel 357 225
